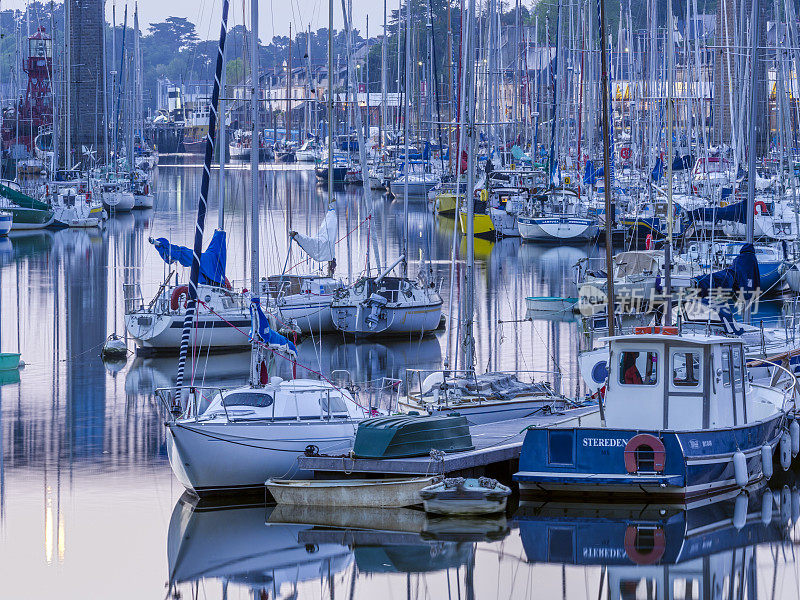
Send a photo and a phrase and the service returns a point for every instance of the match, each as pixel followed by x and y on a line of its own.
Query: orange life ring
pixel 179 291
pixel 644 558
pixel 645 439
pixel 763 206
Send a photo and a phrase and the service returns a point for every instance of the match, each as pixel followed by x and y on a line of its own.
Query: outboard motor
pixel 374 304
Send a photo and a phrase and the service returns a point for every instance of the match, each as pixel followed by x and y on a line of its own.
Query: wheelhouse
pixel 659 381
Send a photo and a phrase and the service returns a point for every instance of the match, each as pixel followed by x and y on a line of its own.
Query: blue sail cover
pixel 212 261
pixel 733 212
pixel 683 163
pixel 589 173
pixel 260 330
pixel 658 170
pixel 743 274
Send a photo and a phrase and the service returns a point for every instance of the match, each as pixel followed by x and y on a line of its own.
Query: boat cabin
pixel 661 381
pixel 279 400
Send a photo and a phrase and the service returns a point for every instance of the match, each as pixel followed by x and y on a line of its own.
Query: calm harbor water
pixel 89 507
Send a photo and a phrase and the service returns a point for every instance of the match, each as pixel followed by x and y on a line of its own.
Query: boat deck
pixel 498 442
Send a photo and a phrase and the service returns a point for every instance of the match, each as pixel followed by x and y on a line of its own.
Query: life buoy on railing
pixel 635 549
pixel 636 443
pixel 762 204
pixel 175 299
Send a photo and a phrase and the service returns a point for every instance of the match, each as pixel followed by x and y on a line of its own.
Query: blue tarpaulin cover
pixel 212 261
pixel 733 212
pixel 743 274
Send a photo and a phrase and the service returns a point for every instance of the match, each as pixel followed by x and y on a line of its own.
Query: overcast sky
pixel 274 15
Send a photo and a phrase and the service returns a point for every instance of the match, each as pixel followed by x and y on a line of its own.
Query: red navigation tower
pixel 34 112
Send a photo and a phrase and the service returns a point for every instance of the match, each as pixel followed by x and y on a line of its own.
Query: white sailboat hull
pixel 393 320
pixel 118 201
pixel 310 314
pixel 163 332
pixel 505 224
pixel 209 458
pixel 143 201
pixel 555 229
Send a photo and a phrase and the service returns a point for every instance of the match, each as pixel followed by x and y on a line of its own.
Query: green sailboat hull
pixel 30 218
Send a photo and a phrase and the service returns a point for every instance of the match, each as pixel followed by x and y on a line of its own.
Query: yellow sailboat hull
pixel 482 225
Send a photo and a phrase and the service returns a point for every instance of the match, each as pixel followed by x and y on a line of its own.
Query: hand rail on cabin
pixel 169 395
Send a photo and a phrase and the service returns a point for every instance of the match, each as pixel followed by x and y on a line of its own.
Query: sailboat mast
pixel 751 152
pixel 384 82
pixel 406 118
pixel 222 146
pixel 469 126
pixel 288 120
pixel 68 84
pixel 255 146
pixel 330 101
pixel 194 274
pixel 670 84
pixel 606 166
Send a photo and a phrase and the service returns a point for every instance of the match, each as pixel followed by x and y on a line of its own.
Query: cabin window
pixel 726 368
pixel 638 368
pixel 248 399
pixel 737 367
pixel 686 369
pixel 333 404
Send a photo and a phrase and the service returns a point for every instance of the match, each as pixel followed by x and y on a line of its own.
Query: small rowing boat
pixel 382 493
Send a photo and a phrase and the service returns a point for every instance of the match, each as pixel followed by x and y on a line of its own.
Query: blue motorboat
pixel 681 420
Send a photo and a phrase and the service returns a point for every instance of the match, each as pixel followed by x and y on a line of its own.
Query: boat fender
pixel 179 291
pixel 786 504
pixel 649 557
pixel 794 433
pixel 786 451
pixel 766 461
pixel 740 511
pixel 760 204
pixel 766 507
pixel 740 468
pixel 644 440
pixel 795 505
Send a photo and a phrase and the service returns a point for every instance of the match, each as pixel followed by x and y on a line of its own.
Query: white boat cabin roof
pixel 297 399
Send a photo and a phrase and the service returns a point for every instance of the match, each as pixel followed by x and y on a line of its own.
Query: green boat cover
pixel 21 199
pixel 404 436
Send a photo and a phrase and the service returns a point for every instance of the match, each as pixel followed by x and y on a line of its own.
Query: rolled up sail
pixel 321 247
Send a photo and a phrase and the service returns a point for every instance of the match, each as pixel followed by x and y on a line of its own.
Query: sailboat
pixel 232 441
pixel 305 301
pixel 222 318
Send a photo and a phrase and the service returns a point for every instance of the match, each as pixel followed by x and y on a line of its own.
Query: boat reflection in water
pixel 660 550
pixel 235 544
pixel 271 550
